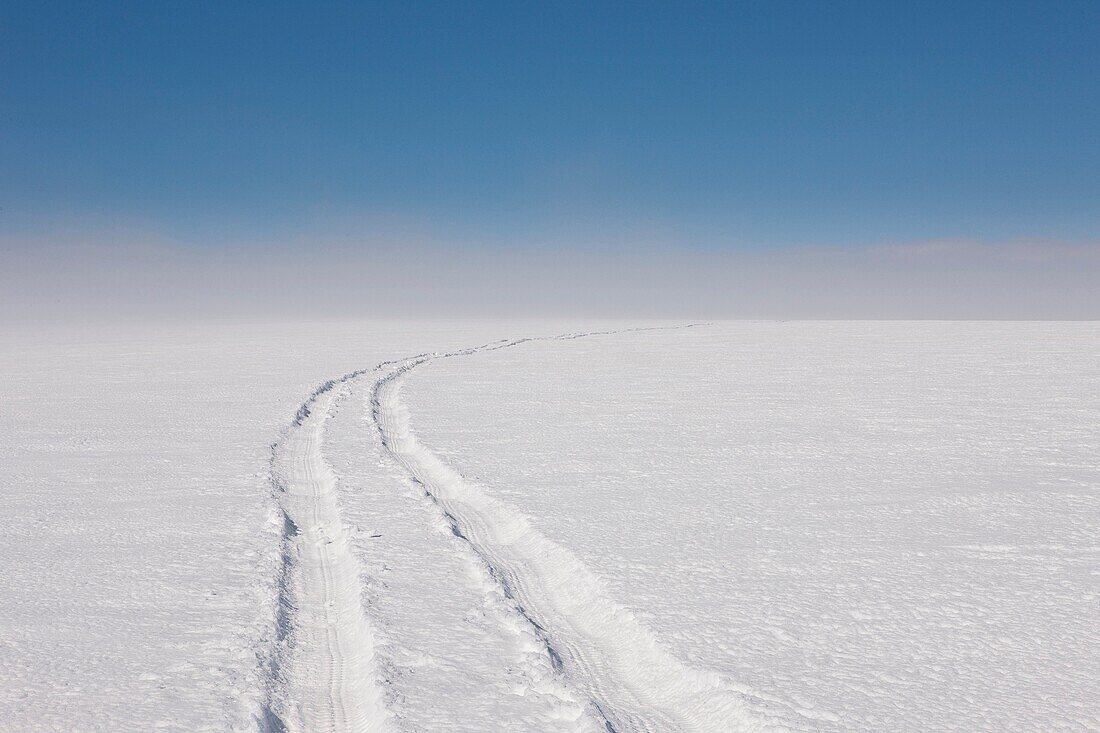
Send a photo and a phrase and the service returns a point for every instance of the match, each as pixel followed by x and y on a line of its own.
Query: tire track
pixel 319 671
pixel 320 675
pixel 633 683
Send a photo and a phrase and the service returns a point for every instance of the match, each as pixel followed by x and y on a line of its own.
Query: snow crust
pixel 754 526
pixel 887 526
pixel 141 532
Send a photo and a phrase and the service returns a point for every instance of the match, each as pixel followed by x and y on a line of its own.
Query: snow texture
pixel 580 527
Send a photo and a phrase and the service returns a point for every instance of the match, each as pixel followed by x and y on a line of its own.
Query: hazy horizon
pixel 89 281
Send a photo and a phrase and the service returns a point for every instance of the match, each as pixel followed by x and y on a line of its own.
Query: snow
pixel 325 643
pixel 887 526
pixel 139 547
pixel 732 526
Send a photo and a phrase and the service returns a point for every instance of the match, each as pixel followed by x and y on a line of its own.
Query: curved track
pixel 321 672
pixel 633 683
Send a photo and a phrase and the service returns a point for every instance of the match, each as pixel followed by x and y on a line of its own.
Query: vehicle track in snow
pixel 320 674
pixel 319 670
pixel 633 684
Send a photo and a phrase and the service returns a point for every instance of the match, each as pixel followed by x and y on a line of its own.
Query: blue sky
pixel 724 127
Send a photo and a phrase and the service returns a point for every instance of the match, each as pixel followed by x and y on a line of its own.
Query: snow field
pixel 737 526
pixel 888 526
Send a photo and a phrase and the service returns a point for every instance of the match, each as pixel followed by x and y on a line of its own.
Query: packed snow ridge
pixel 321 672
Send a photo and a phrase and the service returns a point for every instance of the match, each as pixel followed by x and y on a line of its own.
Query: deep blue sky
pixel 770 124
